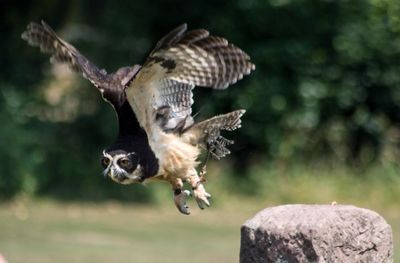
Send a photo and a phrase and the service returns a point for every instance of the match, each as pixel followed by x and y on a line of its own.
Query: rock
pixel 316 233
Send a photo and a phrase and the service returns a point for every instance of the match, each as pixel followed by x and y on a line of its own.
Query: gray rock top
pixel 316 233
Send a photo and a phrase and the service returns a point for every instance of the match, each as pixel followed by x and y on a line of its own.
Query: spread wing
pixel 43 36
pixel 110 85
pixel 180 61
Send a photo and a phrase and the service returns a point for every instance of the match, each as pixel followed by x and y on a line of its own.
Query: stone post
pixel 316 233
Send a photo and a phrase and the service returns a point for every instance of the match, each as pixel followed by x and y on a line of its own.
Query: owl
pixel 161 97
pixel 158 137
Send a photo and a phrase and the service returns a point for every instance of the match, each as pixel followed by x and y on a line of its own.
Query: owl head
pixel 122 167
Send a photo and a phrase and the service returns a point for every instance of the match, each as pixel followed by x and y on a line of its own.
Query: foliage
pixel 327 84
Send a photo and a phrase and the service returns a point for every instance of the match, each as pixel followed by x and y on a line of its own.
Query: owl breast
pixel 175 156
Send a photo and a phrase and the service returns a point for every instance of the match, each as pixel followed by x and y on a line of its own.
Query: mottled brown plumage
pixel 158 137
pixel 161 97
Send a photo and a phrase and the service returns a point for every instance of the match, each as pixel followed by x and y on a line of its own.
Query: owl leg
pixel 200 194
pixel 180 196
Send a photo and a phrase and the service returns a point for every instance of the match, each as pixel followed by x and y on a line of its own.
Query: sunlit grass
pixel 33 230
pixel 48 231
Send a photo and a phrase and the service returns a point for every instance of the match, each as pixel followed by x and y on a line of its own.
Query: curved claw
pixel 201 196
pixel 180 198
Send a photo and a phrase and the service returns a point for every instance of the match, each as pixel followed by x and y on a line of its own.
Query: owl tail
pixel 208 133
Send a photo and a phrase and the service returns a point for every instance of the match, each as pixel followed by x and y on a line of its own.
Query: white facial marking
pixel 113 170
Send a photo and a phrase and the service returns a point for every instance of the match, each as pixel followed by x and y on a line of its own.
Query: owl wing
pixel 180 61
pixel 110 85
pixel 43 36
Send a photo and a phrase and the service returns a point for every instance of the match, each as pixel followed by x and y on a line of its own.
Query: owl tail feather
pixel 208 133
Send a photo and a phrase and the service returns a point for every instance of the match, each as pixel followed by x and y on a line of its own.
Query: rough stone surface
pixel 316 233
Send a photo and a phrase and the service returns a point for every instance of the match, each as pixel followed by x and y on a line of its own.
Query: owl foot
pixel 180 198
pixel 201 196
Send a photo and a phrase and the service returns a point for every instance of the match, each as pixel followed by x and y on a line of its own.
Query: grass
pixel 46 231
pixel 43 231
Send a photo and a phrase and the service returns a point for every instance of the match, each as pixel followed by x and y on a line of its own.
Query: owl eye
pixel 124 162
pixel 105 162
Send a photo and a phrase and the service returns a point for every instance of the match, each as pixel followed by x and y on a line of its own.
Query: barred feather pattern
pixel 175 105
pixel 201 59
pixel 43 36
pixel 218 147
pixel 180 61
pixel 178 95
pixel 208 132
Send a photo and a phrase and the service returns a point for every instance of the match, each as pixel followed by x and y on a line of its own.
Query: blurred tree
pixel 327 84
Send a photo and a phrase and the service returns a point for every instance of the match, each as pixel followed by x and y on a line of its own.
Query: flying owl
pixel 161 97
pixel 158 137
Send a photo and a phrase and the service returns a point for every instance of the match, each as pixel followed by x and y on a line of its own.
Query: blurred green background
pixel 322 124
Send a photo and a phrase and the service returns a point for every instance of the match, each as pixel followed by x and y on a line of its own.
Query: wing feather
pixel 171 38
pixel 204 60
pixel 180 61
pixel 43 36
pixel 177 97
pixel 208 132
pixel 111 86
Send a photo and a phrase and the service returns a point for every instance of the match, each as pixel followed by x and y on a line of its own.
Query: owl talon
pixel 201 196
pixel 180 198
